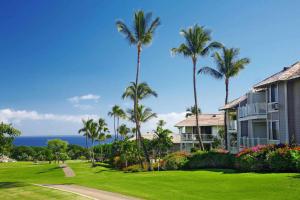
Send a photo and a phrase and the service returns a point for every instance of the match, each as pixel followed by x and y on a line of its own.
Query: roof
pixel 233 103
pixel 203 120
pixel 151 136
pixel 287 73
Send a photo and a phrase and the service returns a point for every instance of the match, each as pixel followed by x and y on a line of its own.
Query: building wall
pixel 282 112
pixel 294 109
pixel 260 129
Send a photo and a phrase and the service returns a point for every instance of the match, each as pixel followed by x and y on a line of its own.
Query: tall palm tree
pixel 86 131
pixel 145 114
pixel 197 44
pixel 228 66
pixel 102 133
pixel 140 35
pixel 120 115
pixel 117 113
pixel 192 111
pixel 141 91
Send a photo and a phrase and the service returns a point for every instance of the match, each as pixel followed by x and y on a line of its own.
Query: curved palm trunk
pixel 225 113
pixel 136 113
pixel 196 105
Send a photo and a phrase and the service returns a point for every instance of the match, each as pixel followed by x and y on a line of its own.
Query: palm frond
pixel 122 28
pixel 210 71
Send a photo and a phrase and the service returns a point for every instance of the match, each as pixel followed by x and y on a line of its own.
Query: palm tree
pixel 197 43
pixel 145 114
pixel 124 130
pixel 140 35
pixel 141 91
pixel 117 113
pixel 192 111
pixel 94 134
pixel 102 133
pixel 120 115
pixel 85 130
pixel 228 66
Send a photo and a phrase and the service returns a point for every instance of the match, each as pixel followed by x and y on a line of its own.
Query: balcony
pixel 232 126
pixel 194 137
pixel 250 110
pixel 246 142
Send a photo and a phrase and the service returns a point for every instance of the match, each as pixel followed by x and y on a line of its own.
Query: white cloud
pixel 77 99
pixel 16 116
pixel 171 119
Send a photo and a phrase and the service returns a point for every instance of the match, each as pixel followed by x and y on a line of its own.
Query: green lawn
pixel 201 184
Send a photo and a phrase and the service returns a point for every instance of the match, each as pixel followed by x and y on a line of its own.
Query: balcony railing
pixel 232 125
pixel 253 110
pixel 246 142
pixel 194 137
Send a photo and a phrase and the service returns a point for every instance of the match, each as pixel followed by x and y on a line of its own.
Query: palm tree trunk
pixel 115 128
pixel 136 108
pixel 225 113
pixel 118 124
pixel 196 105
pixel 93 156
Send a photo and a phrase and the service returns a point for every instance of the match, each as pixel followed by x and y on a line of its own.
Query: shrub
pixel 133 168
pixel 273 158
pixel 283 160
pixel 210 159
pixel 175 161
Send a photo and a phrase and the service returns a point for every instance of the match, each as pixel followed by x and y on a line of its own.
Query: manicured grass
pixel 201 184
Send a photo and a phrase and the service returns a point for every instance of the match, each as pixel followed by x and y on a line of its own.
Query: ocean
pixel 42 140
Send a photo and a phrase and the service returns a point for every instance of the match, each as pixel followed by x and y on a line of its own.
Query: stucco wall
pixel 294 109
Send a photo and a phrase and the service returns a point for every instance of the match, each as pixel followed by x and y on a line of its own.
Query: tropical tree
pixel 85 130
pixel 192 111
pixel 141 34
pixel 141 91
pixel 7 136
pixel 145 114
pixel 228 65
pixel 117 113
pixel 162 140
pixel 197 44
pixel 124 130
pixel 102 134
pixel 58 148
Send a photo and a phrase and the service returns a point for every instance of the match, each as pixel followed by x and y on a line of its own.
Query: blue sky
pixel 53 51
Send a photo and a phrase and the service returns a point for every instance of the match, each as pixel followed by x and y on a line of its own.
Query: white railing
pixel 194 137
pixel 232 125
pixel 246 142
pixel 253 109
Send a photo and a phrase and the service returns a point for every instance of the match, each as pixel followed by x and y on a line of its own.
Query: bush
pixel 283 160
pixel 210 159
pixel 272 158
pixel 175 161
pixel 133 168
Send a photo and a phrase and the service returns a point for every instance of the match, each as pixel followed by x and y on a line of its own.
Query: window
pixel 274 130
pixel 273 93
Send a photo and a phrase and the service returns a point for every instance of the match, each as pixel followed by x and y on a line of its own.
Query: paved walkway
pixel 67 170
pixel 90 192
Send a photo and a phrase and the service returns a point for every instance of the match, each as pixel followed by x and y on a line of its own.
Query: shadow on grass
pixel 48 170
pixel 5 185
pixel 296 176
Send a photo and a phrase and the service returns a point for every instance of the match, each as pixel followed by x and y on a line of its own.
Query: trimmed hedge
pixel 175 161
pixel 210 159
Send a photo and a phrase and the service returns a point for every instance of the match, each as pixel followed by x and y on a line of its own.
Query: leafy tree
pixel 124 131
pixel 57 146
pixel 142 91
pixel 76 151
pixel 192 111
pixel 197 44
pixel 7 136
pixel 140 35
pixel 162 140
pixel 228 66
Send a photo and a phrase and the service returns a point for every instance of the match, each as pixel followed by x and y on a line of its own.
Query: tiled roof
pixel 287 73
pixel 175 137
pixel 203 120
pixel 233 103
